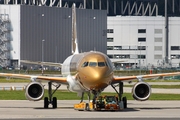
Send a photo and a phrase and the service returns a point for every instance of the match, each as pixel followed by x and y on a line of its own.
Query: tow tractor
pixel 108 103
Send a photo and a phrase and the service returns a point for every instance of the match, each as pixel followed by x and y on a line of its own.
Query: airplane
pixel 87 72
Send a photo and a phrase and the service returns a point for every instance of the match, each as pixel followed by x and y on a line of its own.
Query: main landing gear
pixel 120 93
pixel 51 100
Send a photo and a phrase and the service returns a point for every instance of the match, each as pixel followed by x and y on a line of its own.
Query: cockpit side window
pixel 85 64
pixel 109 63
pixel 92 64
pixel 101 64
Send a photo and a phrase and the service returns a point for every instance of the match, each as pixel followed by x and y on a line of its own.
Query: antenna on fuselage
pixel 75 49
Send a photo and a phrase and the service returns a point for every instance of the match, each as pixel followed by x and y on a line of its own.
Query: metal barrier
pixel 12 88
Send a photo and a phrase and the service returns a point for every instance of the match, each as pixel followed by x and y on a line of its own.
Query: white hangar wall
pixel 141 40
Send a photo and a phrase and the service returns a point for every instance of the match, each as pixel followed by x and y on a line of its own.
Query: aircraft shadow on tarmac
pixel 53 108
pixel 125 110
pixel 158 108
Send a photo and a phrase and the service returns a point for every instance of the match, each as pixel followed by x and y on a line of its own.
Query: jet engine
pixel 141 91
pixel 34 91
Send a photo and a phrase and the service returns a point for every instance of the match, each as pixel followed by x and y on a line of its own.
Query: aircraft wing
pixel 42 63
pixel 140 77
pixel 61 80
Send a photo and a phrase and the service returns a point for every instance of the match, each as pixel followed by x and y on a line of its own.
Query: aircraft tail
pixel 75 49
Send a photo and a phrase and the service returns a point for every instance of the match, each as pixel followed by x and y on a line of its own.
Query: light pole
pixel 136 55
pixel 42 56
pixel 140 59
pixel 146 56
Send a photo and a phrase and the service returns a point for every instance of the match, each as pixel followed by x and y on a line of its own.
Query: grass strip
pixel 66 95
pixel 160 86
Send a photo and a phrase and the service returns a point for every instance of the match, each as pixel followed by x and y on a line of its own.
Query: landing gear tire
pixel 46 102
pixel 87 107
pixel 54 104
pixel 124 99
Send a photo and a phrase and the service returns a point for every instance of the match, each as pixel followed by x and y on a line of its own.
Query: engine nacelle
pixel 34 91
pixel 141 91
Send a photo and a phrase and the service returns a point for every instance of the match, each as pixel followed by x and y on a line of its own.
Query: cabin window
pixel 85 64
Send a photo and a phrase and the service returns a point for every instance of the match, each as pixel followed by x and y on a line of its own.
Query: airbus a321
pixel 88 72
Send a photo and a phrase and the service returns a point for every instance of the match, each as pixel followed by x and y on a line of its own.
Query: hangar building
pixel 140 33
pixel 30 32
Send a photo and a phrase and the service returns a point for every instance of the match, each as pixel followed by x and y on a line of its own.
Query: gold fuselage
pixel 93 70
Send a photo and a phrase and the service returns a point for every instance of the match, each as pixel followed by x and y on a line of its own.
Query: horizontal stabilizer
pixel 42 63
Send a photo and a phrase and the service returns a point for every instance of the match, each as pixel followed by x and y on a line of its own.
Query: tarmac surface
pixel 148 110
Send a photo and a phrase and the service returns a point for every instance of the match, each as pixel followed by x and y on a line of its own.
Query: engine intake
pixel 141 91
pixel 34 91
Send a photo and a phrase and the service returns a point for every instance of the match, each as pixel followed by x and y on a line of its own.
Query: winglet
pixel 75 49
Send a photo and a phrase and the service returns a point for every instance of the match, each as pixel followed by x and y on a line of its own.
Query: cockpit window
pixel 92 64
pixel 101 64
pixel 85 64
pixel 109 63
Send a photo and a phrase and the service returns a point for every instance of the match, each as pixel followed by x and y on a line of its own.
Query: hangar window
pixel 175 47
pixel 110 39
pixel 110 31
pixel 141 47
pixel 175 56
pixel 110 56
pixel 117 47
pixel 141 30
pixel 141 39
pixel 158 39
pixel 158 31
pixel 109 47
pixel 119 56
pixel 158 48
pixel 141 56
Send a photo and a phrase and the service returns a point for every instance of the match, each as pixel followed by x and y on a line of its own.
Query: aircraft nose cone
pixel 97 75
pixel 95 78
